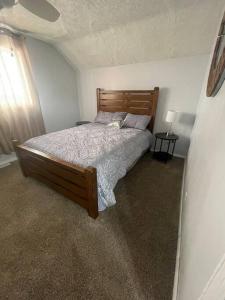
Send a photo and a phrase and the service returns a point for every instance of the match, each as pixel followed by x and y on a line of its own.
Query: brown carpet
pixel 51 249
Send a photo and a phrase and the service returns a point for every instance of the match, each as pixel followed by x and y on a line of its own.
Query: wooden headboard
pixel 140 102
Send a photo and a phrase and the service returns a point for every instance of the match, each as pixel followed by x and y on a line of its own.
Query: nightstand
pixel 171 143
pixel 82 123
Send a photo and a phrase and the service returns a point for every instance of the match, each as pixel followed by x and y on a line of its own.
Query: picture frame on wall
pixel 217 69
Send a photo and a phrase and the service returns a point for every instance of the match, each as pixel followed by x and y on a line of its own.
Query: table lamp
pixel 170 118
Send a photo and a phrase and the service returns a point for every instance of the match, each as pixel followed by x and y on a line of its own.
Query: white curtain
pixel 20 113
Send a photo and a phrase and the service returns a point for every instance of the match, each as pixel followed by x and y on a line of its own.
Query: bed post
pixel 15 146
pixel 154 107
pixel 98 98
pixel 91 176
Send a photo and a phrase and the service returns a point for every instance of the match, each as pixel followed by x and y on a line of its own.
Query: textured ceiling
pixel 94 33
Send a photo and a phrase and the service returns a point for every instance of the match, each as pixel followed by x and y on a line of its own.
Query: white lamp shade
pixel 171 116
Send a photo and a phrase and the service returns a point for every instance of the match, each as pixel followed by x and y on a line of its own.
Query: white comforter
pixel 112 151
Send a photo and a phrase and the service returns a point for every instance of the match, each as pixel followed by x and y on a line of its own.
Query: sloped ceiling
pixel 96 33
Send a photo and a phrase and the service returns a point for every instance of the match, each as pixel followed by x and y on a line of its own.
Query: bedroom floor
pixel 51 249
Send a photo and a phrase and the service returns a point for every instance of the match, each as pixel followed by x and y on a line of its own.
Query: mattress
pixel 110 150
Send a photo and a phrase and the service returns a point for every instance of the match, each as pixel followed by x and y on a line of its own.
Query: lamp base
pixel 169 133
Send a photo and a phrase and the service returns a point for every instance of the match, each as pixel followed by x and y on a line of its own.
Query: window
pixel 20 112
pixel 12 82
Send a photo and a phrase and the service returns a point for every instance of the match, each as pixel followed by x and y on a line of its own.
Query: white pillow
pixel 116 124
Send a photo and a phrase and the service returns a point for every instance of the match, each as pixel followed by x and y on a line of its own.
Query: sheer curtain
pixel 20 112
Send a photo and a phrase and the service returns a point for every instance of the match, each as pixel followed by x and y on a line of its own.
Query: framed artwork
pixel 217 69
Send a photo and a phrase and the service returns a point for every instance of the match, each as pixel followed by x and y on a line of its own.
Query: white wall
pixel 56 84
pixel 203 233
pixel 179 81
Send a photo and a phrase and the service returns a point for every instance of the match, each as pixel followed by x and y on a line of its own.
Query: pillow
pixel 104 117
pixel 136 121
pixel 119 116
pixel 116 124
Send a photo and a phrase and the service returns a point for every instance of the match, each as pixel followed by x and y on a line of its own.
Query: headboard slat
pixel 142 102
pixel 112 96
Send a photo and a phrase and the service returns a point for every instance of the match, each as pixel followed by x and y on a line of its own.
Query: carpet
pixel 51 249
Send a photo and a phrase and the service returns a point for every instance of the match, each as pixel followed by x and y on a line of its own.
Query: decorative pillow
pixel 104 117
pixel 136 121
pixel 116 124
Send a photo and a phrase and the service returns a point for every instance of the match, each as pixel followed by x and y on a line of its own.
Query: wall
pixel 179 80
pixel 56 84
pixel 203 229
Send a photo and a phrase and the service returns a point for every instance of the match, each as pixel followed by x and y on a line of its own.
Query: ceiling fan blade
pixel 41 8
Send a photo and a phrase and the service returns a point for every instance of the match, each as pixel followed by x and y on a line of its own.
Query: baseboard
pixel 215 287
pixel 6 159
pixel 3 165
pixel 175 154
pixel 177 267
pixel 179 155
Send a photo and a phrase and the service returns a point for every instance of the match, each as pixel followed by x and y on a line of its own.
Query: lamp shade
pixel 170 116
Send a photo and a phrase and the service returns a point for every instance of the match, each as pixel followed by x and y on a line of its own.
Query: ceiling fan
pixel 41 8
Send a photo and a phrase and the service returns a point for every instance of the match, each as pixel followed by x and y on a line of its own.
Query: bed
pixel 84 163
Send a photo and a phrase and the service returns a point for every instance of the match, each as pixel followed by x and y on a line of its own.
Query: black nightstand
pixel 82 123
pixel 171 141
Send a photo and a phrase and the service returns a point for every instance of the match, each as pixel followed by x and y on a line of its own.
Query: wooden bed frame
pixel 75 182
